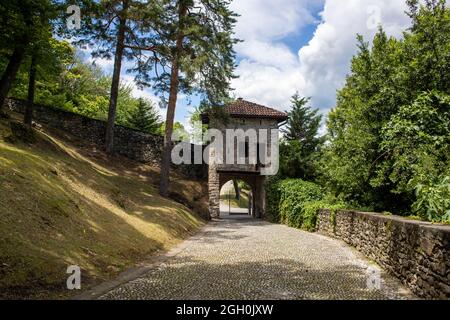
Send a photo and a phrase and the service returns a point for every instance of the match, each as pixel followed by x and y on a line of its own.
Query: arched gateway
pixel 237 139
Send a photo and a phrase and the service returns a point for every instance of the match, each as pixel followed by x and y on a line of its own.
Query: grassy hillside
pixel 63 202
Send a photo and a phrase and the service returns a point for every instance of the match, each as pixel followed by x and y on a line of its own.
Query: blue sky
pixel 297 45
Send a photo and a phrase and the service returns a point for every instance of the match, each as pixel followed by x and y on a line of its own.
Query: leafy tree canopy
pixel 391 121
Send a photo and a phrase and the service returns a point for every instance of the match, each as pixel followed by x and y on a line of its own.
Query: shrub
pixel 273 195
pixel 296 203
pixel 433 200
pixel 295 193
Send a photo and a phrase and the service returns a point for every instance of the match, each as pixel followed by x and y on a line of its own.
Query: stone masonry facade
pixel 219 174
pixel 416 252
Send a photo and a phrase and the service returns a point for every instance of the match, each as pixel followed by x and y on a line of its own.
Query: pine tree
pixel 303 123
pixel 298 148
pixel 193 55
pixel 114 29
pixel 145 118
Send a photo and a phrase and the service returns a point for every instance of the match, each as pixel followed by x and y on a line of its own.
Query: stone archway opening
pixel 254 195
pixel 236 198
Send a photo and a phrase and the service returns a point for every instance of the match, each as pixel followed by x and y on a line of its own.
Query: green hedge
pixel 296 202
pixel 273 199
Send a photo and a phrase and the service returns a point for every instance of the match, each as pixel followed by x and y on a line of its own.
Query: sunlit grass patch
pixel 59 206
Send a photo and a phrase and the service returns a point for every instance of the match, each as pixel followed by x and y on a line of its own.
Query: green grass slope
pixel 64 203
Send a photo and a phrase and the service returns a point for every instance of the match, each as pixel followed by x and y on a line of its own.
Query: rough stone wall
pixel 244 124
pixel 213 191
pixel 133 144
pixel 418 253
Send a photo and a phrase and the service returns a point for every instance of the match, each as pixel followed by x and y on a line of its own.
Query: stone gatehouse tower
pixel 242 115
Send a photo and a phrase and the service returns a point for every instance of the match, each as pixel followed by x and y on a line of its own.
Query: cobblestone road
pixel 251 259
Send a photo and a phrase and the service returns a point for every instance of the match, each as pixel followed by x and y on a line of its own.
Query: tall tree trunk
pixel 31 88
pixel 109 139
pixel 174 84
pixel 11 70
pixel 236 190
pixel 16 58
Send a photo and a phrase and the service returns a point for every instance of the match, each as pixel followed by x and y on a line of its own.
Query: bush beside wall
pixel 295 203
pixel 416 252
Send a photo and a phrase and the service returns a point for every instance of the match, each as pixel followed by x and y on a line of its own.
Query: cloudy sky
pixel 299 45
pixel 305 45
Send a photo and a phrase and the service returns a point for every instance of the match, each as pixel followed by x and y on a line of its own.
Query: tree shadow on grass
pixel 59 209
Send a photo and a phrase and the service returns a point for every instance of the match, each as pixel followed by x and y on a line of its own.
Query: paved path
pixel 249 259
pixel 226 210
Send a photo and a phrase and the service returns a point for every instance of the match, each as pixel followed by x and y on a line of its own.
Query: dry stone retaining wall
pixel 136 145
pixel 418 253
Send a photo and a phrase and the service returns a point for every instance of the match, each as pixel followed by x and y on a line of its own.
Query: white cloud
pixel 264 53
pixel 267 84
pixel 325 61
pixel 270 72
pixel 269 19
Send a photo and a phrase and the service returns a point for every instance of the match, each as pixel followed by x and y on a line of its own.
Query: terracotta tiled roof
pixel 246 109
